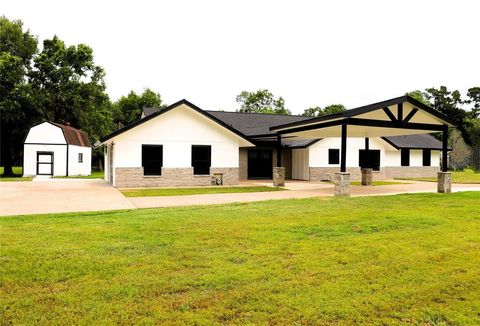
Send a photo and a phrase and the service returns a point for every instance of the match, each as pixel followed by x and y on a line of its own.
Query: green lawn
pixel 17 170
pixel 94 175
pixel 143 192
pixel 406 259
pixel 465 176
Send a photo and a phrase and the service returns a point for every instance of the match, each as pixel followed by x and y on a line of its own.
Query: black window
pixel 152 159
pixel 405 157
pixel 80 157
pixel 201 159
pixel 369 159
pixel 333 156
pixel 427 157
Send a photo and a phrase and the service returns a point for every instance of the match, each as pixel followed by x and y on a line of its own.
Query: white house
pixel 55 149
pixel 183 145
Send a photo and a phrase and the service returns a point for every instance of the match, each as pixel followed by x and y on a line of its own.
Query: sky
pixel 312 53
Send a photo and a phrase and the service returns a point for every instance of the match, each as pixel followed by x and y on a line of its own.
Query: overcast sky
pixel 310 52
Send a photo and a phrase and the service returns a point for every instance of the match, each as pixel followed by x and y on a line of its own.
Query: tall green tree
pixel 129 108
pixel 17 48
pixel 68 87
pixel 261 101
pixel 321 112
pixel 472 122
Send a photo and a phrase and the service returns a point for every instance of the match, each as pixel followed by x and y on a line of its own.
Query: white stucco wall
pixel 177 130
pixel 393 158
pixel 30 158
pixel 318 152
pixel 76 168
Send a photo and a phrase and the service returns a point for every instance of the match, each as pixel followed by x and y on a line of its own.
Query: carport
pixel 395 117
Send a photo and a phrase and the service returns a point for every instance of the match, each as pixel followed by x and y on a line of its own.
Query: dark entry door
pixel 259 164
pixel 44 163
pixel 369 159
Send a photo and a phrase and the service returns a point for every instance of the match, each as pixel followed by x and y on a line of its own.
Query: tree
pixel 129 108
pixel 420 96
pixel 17 48
pixel 321 112
pixel 261 101
pixel 472 122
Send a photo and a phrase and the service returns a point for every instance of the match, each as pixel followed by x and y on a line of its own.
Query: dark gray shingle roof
pixel 148 111
pixel 422 141
pixel 254 124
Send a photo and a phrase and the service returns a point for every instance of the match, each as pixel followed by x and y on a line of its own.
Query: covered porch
pixel 396 117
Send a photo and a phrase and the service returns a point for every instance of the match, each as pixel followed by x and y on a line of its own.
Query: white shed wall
pixel 76 168
pixel 45 133
pixel 177 130
pixel 30 158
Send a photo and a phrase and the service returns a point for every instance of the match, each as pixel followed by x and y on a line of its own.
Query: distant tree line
pixel 62 83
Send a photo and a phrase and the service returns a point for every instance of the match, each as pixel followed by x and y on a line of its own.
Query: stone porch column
pixel 367 175
pixel 342 183
pixel 278 176
pixel 444 182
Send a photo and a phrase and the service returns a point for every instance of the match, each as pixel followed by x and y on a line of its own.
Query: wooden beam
pixel 400 112
pixel 390 114
pixel 367 143
pixel 409 116
pixel 445 149
pixel 343 154
pixel 279 150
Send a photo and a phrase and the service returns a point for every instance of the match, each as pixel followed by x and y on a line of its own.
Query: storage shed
pixel 56 149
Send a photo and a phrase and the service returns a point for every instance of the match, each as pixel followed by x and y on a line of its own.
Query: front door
pixel 44 163
pixel 260 164
pixel 369 159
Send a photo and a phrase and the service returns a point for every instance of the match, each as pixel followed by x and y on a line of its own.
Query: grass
pixel 407 259
pixel 466 176
pixel 94 175
pixel 17 170
pixel 144 192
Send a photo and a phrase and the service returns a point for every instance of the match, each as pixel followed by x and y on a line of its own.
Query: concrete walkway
pixel 59 196
pixel 80 195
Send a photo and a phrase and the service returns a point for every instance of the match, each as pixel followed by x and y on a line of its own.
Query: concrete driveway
pixel 59 195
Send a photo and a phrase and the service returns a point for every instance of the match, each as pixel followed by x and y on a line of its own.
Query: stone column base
pixel 278 176
pixel 367 177
pixel 444 182
pixel 342 183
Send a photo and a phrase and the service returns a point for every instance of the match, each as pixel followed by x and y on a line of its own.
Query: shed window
pixel 333 156
pixel 201 159
pixel 405 157
pixel 152 159
pixel 80 157
pixel 427 157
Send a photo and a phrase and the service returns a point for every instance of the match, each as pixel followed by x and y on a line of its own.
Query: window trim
pixel 80 157
pixel 161 159
pixel 405 157
pixel 330 158
pixel 209 158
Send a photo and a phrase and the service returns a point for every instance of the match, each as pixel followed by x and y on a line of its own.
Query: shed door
pixel 44 163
